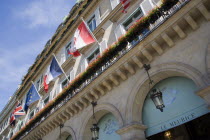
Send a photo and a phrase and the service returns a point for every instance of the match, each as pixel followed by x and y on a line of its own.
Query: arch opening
pixel 182 105
pixel 108 125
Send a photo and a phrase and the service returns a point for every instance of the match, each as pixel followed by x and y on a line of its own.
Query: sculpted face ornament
pixel 156 94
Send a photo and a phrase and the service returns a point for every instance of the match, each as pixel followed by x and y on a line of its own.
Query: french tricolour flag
pixel 53 71
pixel 82 38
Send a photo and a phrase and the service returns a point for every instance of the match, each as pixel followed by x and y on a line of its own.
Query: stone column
pixel 132 132
pixel 205 94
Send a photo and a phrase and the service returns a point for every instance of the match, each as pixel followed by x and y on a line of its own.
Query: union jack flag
pixel 125 4
pixel 18 110
pixel 12 120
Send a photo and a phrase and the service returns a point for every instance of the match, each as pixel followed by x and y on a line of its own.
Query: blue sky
pixel 25 27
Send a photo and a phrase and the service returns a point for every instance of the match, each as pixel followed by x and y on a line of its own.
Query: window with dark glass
pixel 67 50
pixel 46 100
pixel 93 56
pixel 31 115
pixel 11 134
pixel 39 83
pixel 65 83
pixel 135 16
pixel 92 23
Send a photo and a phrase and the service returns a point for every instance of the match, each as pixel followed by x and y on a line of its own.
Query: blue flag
pixel 55 69
pixel 31 97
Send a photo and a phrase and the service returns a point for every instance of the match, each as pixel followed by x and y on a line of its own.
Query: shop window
pixel 69 137
pixel 108 126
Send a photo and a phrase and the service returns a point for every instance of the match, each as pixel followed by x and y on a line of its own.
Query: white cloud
pixel 43 12
pixel 16 59
pixel 16 63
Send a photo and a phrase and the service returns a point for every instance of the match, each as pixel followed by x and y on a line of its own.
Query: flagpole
pixel 36 89
pixel 90 31
pixel 61 68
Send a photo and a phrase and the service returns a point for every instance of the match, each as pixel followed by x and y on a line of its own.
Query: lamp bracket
pixel 61 125
pixel 147 67
pixel 94 103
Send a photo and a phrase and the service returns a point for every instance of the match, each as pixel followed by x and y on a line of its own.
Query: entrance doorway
pixel 197 129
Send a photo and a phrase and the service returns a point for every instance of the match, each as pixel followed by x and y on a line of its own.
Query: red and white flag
pixel 73 51
pixel 125 4
pixel 82 38
pixel 12 120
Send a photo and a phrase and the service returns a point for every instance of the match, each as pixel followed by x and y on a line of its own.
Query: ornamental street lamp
pixel 94 129
pixel 156 94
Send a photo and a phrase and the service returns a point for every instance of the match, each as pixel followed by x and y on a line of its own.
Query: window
pixel 93 56
pixel 67 50
pixel 65 83
pixel 69 137
pixel 39 83
pixel 31 115
pixel 11 134
pixel 135 16
pixel 92 23
pixel 20 125
pixel 46 100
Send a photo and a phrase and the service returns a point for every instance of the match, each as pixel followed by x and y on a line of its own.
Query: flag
pixel 73 51
pixel 19 110
pixel 31 97
pixel 12 119
pixel 53 71
pixel 125 4
pixel 82 38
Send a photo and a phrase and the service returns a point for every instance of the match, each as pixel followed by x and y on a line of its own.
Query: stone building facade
pixel 177 47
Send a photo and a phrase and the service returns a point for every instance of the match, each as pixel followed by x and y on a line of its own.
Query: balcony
pixel 109 68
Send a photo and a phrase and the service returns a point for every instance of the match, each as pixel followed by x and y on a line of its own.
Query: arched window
pixel 69 138
pixel 181 105
pixel 108 125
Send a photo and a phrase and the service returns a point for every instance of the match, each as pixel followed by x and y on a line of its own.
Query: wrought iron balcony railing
pixel 70 93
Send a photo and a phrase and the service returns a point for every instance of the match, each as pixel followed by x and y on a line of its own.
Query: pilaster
pixel 132 132
pixel 205 94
